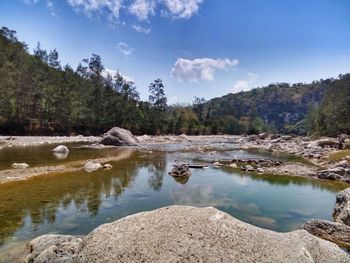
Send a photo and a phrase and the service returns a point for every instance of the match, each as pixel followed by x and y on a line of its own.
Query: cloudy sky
pixel 204 48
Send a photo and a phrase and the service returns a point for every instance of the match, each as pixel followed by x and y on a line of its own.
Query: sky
pixel 204 48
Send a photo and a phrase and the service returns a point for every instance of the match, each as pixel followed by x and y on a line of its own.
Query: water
pixel 75 203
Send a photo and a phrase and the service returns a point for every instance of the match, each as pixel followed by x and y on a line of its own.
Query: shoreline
pixel 303 147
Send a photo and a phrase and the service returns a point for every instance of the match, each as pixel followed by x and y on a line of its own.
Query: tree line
pixel 40 96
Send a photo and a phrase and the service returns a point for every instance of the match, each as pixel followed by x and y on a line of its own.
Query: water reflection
pixel 60 156
pixel 75 203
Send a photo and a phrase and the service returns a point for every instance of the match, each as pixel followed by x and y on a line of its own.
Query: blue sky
pixel 204 48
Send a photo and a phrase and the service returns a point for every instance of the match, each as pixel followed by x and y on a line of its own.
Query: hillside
pixel 298 108
pixel 39 96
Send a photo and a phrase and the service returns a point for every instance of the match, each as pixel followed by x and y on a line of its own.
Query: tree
pixel 157 97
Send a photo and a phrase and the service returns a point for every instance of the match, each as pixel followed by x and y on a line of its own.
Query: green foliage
pixel 39 96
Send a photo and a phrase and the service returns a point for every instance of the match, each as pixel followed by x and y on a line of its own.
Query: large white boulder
pixel 61 149
pixel 189 234
pixel 119 137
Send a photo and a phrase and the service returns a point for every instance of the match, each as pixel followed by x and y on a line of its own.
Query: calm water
pixel 76 203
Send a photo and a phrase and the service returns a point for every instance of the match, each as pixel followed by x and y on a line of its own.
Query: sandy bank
pixel 9 141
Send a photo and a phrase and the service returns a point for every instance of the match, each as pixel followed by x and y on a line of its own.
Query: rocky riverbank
pixel 317 152
pixel 19 141
pixel 183 234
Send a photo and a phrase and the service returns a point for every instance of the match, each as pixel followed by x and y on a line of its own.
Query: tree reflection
pixel 157 166
pixel 40 198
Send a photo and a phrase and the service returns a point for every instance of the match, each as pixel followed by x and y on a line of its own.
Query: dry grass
pixel 339 155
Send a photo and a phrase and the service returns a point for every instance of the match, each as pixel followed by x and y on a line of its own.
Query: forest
pixel 40 96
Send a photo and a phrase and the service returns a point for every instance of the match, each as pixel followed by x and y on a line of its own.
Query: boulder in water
pixel 61 149
pixel 119 137
pixel 180 170
pixel 91 166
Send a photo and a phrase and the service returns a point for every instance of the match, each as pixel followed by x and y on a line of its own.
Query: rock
pixel 329 176
pixel 91 166
pixel 217 164
pixel 249 168
pixel 286 137
pixel 341 211
pixel 252 138
pixel 328 142
pixel 263 136
pixel 336 170
pixel 189 234
pixel 61 149
pixel 180 170
pixel 107 166
pixel 144 138
pixel 343 164
pixel 260 170
pixel 20 165
pixel 119 137
pixel 52 248
pixel 332 231
pixel 346 176
pixel 233 165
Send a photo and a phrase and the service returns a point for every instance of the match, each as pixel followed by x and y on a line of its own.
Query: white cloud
pixel 142 9
pixel 182 8
pixel 125 49
pixel 113 72
pixel 141 29
pixel 112 7
pixel 200 68
pixel 245 85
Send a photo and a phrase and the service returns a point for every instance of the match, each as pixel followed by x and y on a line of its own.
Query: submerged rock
pixel 61 149
pixel 332 231
pixel 20 165
pixel 341 211
pixel 119 137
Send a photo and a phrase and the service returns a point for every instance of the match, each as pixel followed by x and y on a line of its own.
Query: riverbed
pixel 76 202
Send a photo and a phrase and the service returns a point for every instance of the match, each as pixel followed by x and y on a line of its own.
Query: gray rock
pixel 337 170
pixel 90 166
pixel 180 170
pixel 341 211
pixel 330 142
pixel 189 234
pixel 52 248
pixel 20 165
pixel 346 176
pixel 332 231
pixel 342 164
pixel 329 175
pixel 263 135
pixel 119 137
pixel 249 168
pixel 253 137
pixel 61 149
